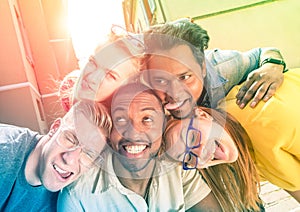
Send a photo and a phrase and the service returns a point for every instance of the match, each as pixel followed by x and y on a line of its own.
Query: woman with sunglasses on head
pixel 216 144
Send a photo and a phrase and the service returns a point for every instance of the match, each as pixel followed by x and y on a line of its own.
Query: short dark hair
pixel 169 35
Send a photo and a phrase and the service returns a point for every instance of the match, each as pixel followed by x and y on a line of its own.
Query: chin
pixel 54 187
pixel 178 114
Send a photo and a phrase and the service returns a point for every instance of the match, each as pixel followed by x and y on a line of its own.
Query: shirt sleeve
pixel 194 187
pixel 234 65
pixel 68 201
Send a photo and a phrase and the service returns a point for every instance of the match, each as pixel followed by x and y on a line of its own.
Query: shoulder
pixel 17 139
pixel 15 132
pixel 12 133
pixel 85 183
pixel 188 179
pixel 7 129
pixel 195 188
pixel 219 56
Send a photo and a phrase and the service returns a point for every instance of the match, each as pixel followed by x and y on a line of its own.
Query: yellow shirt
pixel 274 128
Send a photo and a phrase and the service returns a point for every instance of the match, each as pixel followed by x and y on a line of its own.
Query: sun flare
pixel 89 22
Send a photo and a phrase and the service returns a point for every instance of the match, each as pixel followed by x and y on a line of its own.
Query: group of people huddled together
pixel 156 122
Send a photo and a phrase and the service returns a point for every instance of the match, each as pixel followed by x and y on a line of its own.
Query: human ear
pixel 54 127
pixel 202 114
pixel 203 66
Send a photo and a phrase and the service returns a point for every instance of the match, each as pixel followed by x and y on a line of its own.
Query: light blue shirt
pixel 174 189
pixel 225 69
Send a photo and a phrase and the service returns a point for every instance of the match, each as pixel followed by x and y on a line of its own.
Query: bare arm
pixel 262 83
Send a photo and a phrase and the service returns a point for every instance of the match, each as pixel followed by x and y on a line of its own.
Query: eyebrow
pixel 144 109
pixel 150 108
pixel 185 73
pixel 118 109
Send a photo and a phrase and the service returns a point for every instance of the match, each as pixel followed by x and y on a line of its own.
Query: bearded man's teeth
pixel 172 106
pixel 135 149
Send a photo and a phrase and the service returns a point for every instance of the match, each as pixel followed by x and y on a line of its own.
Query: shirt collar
pixel 213 78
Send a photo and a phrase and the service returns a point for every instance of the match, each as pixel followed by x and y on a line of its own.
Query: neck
pixel 137 182
pixel 139 186
pixel 32 163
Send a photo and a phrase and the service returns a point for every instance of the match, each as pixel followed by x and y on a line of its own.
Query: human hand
pixel 261 84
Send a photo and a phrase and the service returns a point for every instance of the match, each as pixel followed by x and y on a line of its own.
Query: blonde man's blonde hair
pixel 95 112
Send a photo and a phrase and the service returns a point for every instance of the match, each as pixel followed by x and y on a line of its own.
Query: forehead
pixel 83 127
pixel 177 60
pixel 127 68
pixel 140 101
pixel 76 118
pixel 110 55
pixel 180 55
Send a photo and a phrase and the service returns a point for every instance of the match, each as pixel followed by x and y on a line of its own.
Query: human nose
pixel 206 151
pixel 133 132
pixel 72 156
pixel 175 89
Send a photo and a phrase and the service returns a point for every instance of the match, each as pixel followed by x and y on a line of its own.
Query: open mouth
pixel 134 150
pixel 208 152
pixel 62 173
pixel 219 153
pixel 175 105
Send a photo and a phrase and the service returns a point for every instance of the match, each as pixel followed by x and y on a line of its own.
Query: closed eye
pixel 70 137
pixel 110 74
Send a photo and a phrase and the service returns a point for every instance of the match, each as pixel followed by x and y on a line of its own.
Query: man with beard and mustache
pixel 180 48
pixel 135 176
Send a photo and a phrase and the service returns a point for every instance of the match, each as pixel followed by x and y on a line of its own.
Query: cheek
pixel 155 134
pixel 114 138
pixel 196 87
pixel 176 151
pixel 156 145
pixel 104 91
pixel 207 132
pixel 170 141
pixel 51 148
pixel 50 153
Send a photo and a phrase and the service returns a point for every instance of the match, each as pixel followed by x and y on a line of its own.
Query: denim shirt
pixel 225 69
